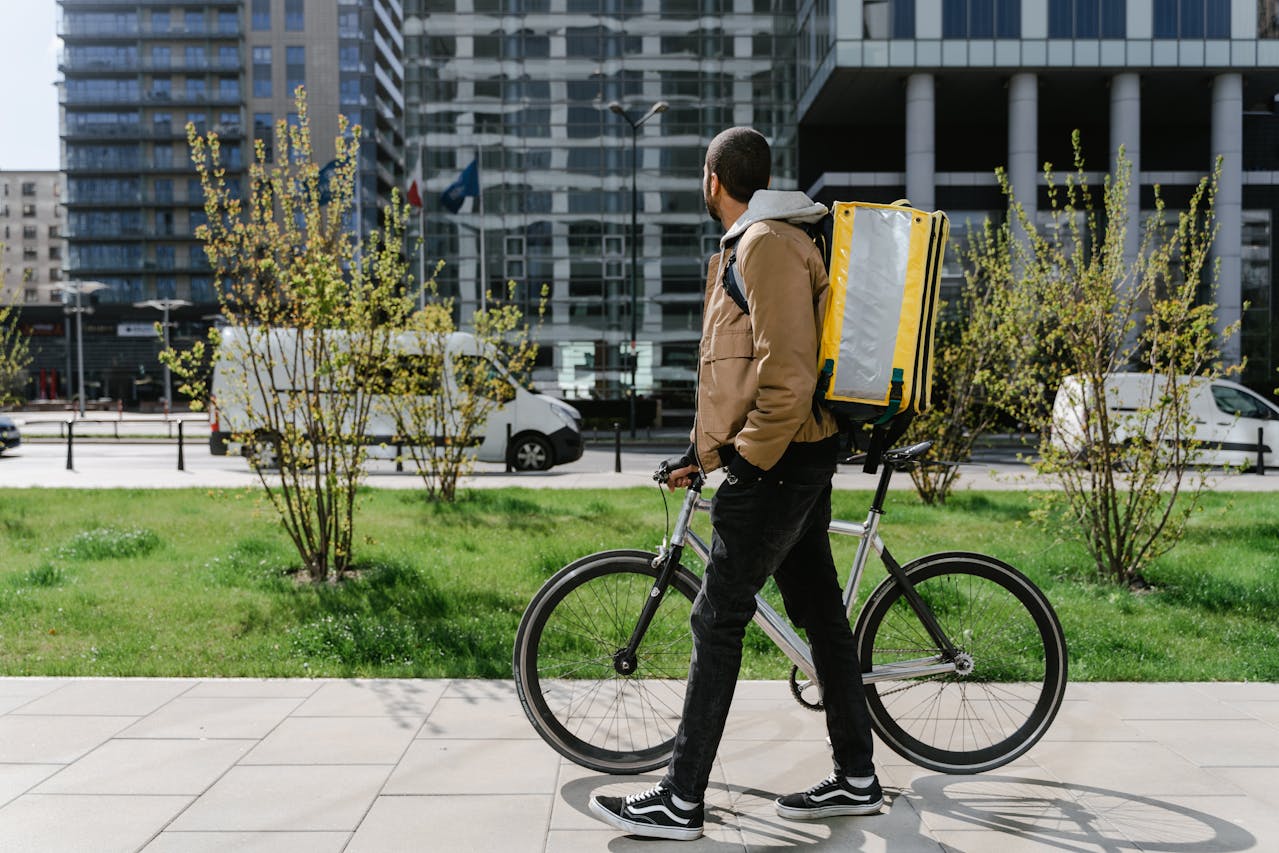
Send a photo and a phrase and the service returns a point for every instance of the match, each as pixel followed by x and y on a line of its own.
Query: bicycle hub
pixel 624 662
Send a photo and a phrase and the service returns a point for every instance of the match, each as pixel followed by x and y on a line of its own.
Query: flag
pixel 322 182
pixel 416 185
pixel 467 183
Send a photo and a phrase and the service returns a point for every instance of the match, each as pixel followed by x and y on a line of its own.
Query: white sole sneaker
pixel 647 830
pixel 829 811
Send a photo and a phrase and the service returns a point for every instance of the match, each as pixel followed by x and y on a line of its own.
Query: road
pixel 106 463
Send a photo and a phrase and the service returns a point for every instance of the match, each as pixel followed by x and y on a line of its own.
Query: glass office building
pixel 525 86
pixel 925 98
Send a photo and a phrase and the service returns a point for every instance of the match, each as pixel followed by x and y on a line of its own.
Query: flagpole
pixel 479 205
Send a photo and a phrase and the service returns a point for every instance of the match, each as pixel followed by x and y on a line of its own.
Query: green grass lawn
pixel 200 583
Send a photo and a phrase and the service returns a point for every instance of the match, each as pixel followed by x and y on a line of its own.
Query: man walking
pixel 756 418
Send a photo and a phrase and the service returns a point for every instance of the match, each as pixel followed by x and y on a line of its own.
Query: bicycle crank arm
pixel 908 669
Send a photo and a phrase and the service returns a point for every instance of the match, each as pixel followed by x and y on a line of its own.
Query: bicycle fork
pixel 625 659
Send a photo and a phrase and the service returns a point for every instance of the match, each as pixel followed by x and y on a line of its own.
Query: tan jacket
pixel 757 373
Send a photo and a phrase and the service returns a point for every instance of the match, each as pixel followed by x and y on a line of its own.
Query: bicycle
pixel 963 657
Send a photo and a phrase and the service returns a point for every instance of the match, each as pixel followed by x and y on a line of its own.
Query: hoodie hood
pixel 785 206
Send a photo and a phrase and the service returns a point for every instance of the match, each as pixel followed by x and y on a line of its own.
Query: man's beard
pixel 711 207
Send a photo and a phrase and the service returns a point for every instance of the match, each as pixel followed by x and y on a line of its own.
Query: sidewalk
pixel 100 765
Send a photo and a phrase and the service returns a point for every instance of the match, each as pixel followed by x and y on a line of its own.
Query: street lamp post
pixel 77 288
pixel 659 107
pixel 164 305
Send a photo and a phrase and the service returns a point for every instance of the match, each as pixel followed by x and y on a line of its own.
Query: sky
pixel 28 99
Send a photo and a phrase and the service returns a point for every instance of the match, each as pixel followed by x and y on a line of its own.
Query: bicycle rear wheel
pixel 1012 663
pixel 573 694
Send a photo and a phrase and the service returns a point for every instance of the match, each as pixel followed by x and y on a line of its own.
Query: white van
pixel 1225 414
pixel 543 431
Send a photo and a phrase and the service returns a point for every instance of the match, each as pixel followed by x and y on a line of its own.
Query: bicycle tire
pixel 598 718
pixel 1018 654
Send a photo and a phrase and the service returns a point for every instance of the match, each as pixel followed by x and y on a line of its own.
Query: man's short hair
pixel 740 157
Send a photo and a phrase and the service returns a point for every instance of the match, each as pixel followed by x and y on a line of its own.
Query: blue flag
pixel 322 183
pixel 467 184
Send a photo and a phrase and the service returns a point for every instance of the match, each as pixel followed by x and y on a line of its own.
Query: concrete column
pixel 921 160
pixel 1227 143
pixel 1125 131
pixel 1023 140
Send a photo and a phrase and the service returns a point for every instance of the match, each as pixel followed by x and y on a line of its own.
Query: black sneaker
pixel 831 797
pixel 652 813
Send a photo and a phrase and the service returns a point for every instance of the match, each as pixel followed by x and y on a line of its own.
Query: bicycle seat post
pixel 881 491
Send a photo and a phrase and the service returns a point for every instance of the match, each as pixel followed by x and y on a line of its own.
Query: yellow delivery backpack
pixel 876 356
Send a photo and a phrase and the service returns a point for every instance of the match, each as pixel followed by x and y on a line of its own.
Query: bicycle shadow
pixel 1036 814
pixel 1074 817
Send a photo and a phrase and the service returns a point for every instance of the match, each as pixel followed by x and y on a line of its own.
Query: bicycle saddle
pixel 905 454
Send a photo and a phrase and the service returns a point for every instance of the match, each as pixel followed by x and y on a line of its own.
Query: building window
pixel 261 15
pixel 1087 19
pixel 262 131
pixel 160 22
pixel 29 232
pixel 161 57
pixel 882 19
pixel 294 67
pixel 261 72
pixel 30 294
pixel 55 274
pixel 293 18
pixel 164 190
pixel 196 90
pixel 29 188
pixel 982 18
pixel 228 23
pixel 194 22
pixel 228 57
pixel 1192 19
pixel 197 56
pixel 28 210
pixel 55 253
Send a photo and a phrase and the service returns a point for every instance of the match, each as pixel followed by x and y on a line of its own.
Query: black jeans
pixel 777 526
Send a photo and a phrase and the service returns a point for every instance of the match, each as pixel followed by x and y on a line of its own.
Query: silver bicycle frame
pixel 778 628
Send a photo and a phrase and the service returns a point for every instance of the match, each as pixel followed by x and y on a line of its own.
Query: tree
pixel 447 387
pixel 15 354
pixel 309 307
pixel 980 342
pixel 1128 480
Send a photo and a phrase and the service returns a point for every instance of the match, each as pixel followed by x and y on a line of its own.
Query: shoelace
pixel 643 795
pixel 832 779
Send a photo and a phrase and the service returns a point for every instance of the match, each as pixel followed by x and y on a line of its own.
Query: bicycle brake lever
pixel 662 474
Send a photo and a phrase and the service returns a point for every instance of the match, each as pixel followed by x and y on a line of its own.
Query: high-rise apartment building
pixel 33 223
pixel 136 72
pixel 349 56
pixel 526 86
pixel 925 98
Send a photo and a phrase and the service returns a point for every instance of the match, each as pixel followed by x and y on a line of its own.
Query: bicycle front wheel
pixel 574 694
pixel 1010 672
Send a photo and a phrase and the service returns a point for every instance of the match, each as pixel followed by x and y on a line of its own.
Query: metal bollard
pixel 508 449
pixel 399 458
pixel 617 448
pixel 182 465
pixel 70 442
pixel 1261 452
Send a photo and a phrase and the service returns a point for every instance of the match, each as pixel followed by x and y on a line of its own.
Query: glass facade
pixel 526 87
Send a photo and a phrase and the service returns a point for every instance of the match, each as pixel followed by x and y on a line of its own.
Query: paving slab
pixel 385 766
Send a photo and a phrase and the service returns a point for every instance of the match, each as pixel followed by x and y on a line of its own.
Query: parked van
pixel 1225 414
pixel 543 431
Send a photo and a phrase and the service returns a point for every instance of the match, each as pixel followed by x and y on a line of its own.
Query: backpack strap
pixel 732 284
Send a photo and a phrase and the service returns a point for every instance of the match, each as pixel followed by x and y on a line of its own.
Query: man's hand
pixel 681 478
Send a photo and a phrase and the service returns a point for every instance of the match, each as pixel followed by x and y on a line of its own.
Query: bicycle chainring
pixel 798 688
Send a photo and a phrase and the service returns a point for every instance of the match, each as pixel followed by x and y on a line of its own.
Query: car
pixel 1227 417
pixel 9 435
pixel 530 431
